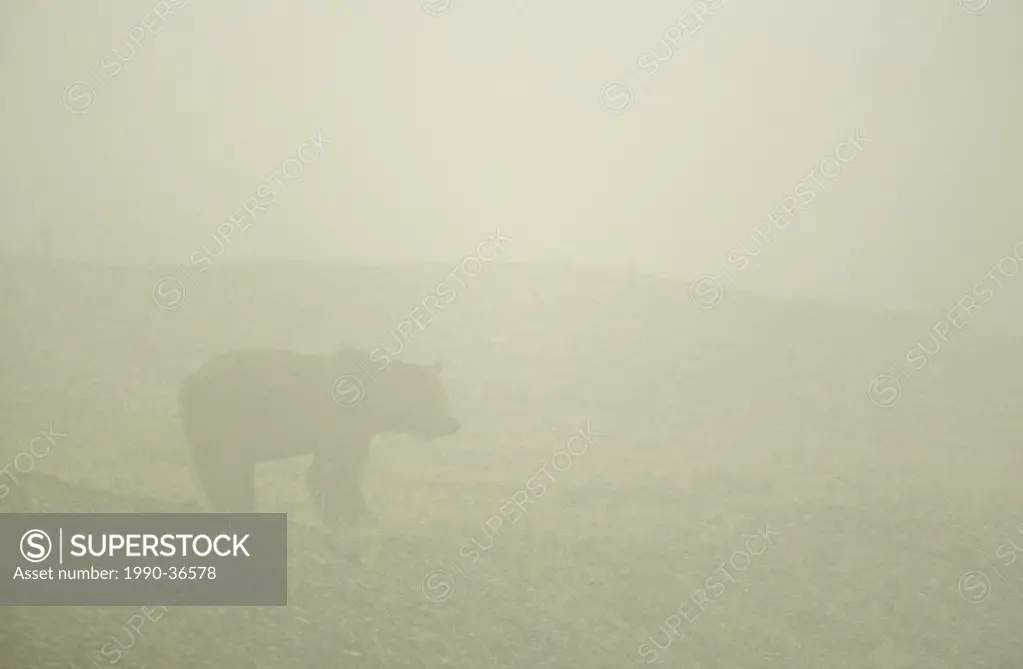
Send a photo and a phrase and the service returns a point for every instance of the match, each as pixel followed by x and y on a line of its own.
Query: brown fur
pixel 258 405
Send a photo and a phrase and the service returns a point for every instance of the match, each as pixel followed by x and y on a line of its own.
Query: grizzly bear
pixel 259 405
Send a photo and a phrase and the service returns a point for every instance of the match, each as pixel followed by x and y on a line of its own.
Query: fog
pixel 762 258
pixel 446 124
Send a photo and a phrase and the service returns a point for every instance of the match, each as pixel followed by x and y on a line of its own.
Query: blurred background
pixel 594 194
pixel 480 114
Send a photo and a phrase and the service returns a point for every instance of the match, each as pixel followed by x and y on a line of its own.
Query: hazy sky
pixel 440 127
